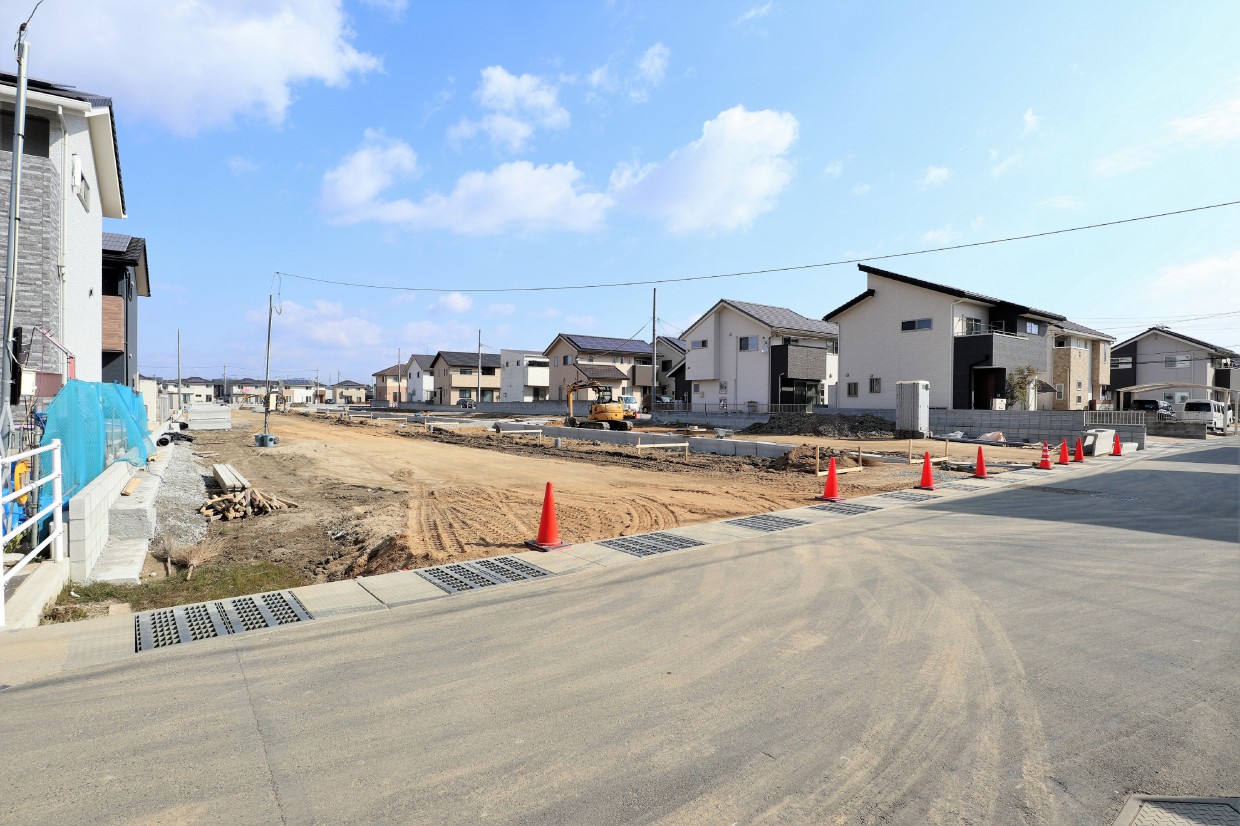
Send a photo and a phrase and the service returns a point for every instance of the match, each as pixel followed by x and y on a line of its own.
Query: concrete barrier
pixel 89 521
pixel 697 444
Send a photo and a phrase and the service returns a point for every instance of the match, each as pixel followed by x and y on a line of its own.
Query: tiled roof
pixel 677 343
pixel 1167 331
pixel 603 344
pixel 1073 327
pixel 958 293
pixel 461 358
pixel 394 370
pixel 347 383
pixel 781 319
pixel 423 359
pixel 603 372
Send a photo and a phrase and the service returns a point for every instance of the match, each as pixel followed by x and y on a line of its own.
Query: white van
pixel 1214 414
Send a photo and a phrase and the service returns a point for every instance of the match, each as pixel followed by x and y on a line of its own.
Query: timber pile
pixel 241 504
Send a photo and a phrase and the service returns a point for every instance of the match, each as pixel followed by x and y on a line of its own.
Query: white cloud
pixel 940 236
pixel 513 196
pixel 517 105
pixel 1032 122
pixel 754 13
pixel 453 302
pixel 637 84
pixel 1006 164
pixel 501 309
pixel 1204 286
pixel 723 180
pixel 862 189
pixel 393 7
pixel 936 176
pixel 192 66
pixel 242 166
pixel 1063 202
pixel 324 324
pixel 833 169
pixel 1218 125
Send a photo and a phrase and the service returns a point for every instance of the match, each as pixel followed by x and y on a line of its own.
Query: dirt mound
pixel 802 459
pixel 835 425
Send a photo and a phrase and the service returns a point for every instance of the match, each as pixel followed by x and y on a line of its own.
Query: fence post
pixel 58 526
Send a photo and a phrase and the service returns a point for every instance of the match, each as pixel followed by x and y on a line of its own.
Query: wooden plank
pixel 131 486
pixel 227 477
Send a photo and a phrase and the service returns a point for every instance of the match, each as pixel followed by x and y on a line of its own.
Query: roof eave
pixel 107 161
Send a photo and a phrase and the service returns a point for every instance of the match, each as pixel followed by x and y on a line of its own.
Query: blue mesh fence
pixel 97 424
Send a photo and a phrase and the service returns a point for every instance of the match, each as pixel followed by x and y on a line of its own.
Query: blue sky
pixel 461 145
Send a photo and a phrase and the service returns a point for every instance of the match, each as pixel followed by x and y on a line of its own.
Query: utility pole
pixel 398 375
pixel 654 347
pixel 267 369
pixel 180 395
pixel 10 269
pixel 478 396
pixel 227 395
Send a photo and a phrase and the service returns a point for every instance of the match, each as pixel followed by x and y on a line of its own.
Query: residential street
pixel 1021 656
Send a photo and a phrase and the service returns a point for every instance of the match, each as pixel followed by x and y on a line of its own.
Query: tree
pixel 1018 382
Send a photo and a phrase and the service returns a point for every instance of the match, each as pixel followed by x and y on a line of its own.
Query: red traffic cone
pixel 1118 450
pixel 831 491
pixel 548 531
pixel 1063 453
pixel 927 474
pixel 980 471
pixel 1045 464
pixel 1079 454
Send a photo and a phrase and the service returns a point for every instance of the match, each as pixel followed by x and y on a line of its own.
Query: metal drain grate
pixel 457 577
pixel 204 620
pixel 513 570
pixel 844 509
pixel 908 496
pixel 651 544
pixel 766 522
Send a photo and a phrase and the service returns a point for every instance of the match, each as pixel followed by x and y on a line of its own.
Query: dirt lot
pixel 378 496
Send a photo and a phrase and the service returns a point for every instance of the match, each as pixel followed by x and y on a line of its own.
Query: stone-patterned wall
pixel 38 281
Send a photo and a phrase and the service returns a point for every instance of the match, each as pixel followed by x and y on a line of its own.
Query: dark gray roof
pixel 1073 327
pixel 1023 309
pixel 297 382
pixel 131 252
pixel 423 360
pixel 347 383
pixel 781 319
pixel 603 372
pixel 1167 331
pixel 461 358
pixel 603 344
pixel 679 344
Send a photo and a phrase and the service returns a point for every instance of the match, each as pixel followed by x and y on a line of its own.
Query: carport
pixel 1229 396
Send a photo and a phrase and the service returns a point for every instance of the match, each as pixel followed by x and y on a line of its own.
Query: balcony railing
pixel 987 330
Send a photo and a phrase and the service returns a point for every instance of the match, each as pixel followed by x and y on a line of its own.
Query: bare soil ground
pixel 379 495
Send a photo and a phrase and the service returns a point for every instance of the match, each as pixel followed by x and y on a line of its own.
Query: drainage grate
pixel 457 577
pixel 507 568
pixel 844 509
pixel 650 544
pixel 204 620
pixel 908 496
pixel 766 522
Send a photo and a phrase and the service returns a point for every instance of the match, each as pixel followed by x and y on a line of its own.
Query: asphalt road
pixel 1016 657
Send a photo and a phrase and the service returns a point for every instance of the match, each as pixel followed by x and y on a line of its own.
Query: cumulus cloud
pixel 514 196
pixel 192 66
pixel 516 106
pixel 754 13
pixel 1032 122
pixel 453 302
pixel 723 180
pixel 638 81
pixel 323 324
pixel 936 176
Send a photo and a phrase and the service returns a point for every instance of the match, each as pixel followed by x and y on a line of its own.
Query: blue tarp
pixel 97 424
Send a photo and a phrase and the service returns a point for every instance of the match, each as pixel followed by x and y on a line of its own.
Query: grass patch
pixel 210 582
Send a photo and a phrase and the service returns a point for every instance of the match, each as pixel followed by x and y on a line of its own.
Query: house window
pixel 1059 392
pixel 1078 387
pixel 699 344
pixel 1079 344
pixel 467 394
pixel 568 360
pixel 466 371
pixel 852 388
pixel 833 345
pixel 697 389
pixel 1061 341
pixel 1078 399
pixel 1177 361
pixel 723 387
pixel 1169 398
pixel 915 324
pixel 1121 362
pixel 488 371
pixel 747 342
pixel 972 326
pixel 876 385
pixel 1032 328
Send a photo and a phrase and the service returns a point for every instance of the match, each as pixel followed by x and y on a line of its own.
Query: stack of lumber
pixel 228 478
pixel 240 504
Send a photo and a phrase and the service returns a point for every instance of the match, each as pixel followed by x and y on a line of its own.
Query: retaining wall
pixel 697 444
pixel 1183 430
pixel 88 518
pixel 1026 425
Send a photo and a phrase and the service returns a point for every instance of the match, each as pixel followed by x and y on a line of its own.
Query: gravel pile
pixel 834 425
pixel 182 493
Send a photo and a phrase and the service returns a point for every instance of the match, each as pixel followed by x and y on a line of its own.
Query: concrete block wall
pixel 1025 425
pixel 697 444
pixel 88 518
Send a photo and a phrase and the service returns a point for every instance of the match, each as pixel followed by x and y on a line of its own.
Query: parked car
pixel 630 406
pixel 468 404
pixel 1214 414
pixel 1156 406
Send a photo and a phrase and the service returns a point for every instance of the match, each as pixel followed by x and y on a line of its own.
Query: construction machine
pixel 604 412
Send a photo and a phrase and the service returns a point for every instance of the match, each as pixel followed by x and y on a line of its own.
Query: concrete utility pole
pixel 227 395
pixel 654 347
pixel 478 396
pixel 10 270
pixel 180 395
pixel 398 375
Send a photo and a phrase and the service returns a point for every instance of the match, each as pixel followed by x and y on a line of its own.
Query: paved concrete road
pixel 1016 657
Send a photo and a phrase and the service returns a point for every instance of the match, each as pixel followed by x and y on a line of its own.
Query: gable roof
pixel 1167 331
pixel 601 344
pixel 674 343
pixel 849 304
pixel 347 384
pixel 423 360
pixel 130 252
pixel 780 320
pixel 955 292
pixel 461 358
pixel 1081 329
pixel 397 370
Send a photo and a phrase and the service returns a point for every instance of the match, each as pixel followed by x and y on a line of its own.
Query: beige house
pixel 458 376
pixel 1080 366
pixel 623 365
pixel 390 384
pixel 349 392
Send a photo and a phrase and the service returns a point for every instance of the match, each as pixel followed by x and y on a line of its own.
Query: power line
pixel 766 271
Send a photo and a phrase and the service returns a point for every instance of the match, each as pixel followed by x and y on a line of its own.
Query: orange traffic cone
pixel 1079 454
pixel 1045 464
pixel 1063 453
pixel 1118 450
pixel 980 471
pixel 831 491
pixel 927 474
pixel 548 531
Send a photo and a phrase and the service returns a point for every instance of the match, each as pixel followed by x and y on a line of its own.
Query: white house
pixel 524 376
pixel 297 391
pixel 420 378
pixel 741 353
pixel 1180 367
pixel 193 390
pixel 966 345
pixel 621 364
pixel 71 181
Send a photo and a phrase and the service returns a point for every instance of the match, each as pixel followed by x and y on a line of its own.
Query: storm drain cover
pixel 844 508
pixel 1165 811
pixel 204 620
pixel 480 573
pixel 766 522
pixel 650 544
pixel 908 496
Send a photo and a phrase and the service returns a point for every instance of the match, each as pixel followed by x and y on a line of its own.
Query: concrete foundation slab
pixel 400 588
pixel 334 599
pixel 121 562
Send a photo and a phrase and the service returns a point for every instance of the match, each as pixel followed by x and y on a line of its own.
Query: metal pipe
pixel 10 269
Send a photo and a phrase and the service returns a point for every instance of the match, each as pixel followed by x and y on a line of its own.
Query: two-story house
pixel 71 181
pixel 1080 366
pixel 391 384
pixel 245 390
pixel 297 391
pixel 349 392
pixel 1179 367
pixel 742 354
pixel 623 365
pixel 193 390
pixel 965 344
pixel 524 376
pixel 124 278
pixel 419 380
pixel 670 371
pixel 458 376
